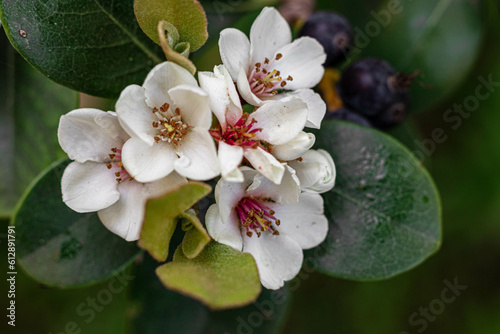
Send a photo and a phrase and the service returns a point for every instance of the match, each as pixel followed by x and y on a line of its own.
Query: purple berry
pixel 333 32
pixel 373 88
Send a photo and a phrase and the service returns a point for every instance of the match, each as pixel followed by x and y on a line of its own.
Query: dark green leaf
pixel 30 108
pixel 187 16
pixel 161 217
pixel 220 277
pixel 60 247
pixel 93 46
pixel 384 211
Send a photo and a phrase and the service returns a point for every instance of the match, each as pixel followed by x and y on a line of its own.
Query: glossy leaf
pixel 220 277
pixel 60 247
pixel 95 47
pixel 161 217
pixel 384 211
pixel 187 16
pixel 30 108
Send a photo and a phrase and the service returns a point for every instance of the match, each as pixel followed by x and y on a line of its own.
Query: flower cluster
pixel 267 200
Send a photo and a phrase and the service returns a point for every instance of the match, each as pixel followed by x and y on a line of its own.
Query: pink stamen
pixel 256 217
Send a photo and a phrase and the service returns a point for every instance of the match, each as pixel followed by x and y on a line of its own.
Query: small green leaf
pixel 30 108
pixel 187 16
pixel 155 309
pixel 196 237
pixel 220 277
pixel 384 211
pixel 162 214
pixel 175 52
pixel 95 47
pixel 60 247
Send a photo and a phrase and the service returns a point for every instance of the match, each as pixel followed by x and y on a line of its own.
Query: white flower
pixel 251 136
pixel 273 223
pixel 97 180
pixel 270 66
pixel 295 148
pixel 168 119
pixel 315 170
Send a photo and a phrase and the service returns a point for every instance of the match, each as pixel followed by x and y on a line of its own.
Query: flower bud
pixel 294 148
pixel 316 171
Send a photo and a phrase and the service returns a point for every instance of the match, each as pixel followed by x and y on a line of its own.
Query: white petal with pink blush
pixel 269 64
pixel 168 119
pixel 265 220
pixel 102 184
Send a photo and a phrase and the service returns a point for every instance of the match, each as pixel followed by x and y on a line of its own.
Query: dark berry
pixel 334 32
pixel 392 116
pixel 345 114
pixel 372 86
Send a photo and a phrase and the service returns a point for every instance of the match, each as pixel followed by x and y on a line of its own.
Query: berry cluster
pixel 371 91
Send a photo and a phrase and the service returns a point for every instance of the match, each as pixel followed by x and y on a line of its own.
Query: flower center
pixel 256 217
pixel 241 133
pixel 169 128
pixel 265 80
pixel 117 166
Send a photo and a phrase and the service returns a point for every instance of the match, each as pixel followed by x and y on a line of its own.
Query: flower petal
pixel 228 194
pixel 265 164
pixel 278 258
pixel 134 114
pixel 111 124
pixel 224 100
pixel 197 156
pixel 162 186
pixel 295 148
pixel 194 105
pixel 269 32
pixel 304 221
pixel 287 191
pixel 245 90
pixel 83 139
pixel 89 186
pixel 316 107
pixel 316 171
pixel 234 49
pixel 161 79
pixel 303 61
pixel 226 233
pixel 125 217
pixel 280 121
pixel 148 163
pixel 230 157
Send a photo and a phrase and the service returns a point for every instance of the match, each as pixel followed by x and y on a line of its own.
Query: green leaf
pixel 30 108
pixel 175 52
pixel 384 211
pixel 187 16
pixel 94 46
pixel 220 277
pixel 424 35
pixel 60 247
pixel 156 310
pixel 161 217
pixel 196 237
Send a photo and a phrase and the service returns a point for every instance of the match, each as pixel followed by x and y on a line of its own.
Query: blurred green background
pixel 452 43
